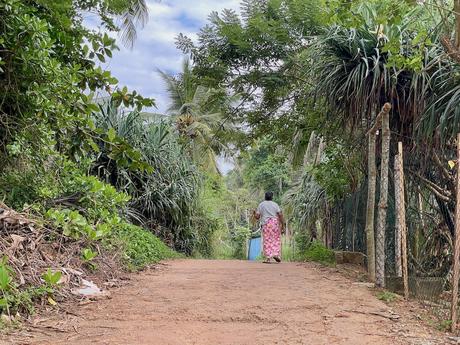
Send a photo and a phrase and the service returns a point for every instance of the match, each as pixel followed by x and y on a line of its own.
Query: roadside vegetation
pixel 94 183
pixel 90 186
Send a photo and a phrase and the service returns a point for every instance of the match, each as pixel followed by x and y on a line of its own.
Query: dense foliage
pixel 288 88
pixel 312 76
pixel 54 133
pixel 94 174
pixel 265 169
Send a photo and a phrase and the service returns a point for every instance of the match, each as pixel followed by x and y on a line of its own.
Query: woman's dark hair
pixel 268 196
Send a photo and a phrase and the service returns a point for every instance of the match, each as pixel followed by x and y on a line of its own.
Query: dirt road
pixel 230 302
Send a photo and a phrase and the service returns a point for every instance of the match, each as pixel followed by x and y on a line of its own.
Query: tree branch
pixel 444 171
pixel 438 191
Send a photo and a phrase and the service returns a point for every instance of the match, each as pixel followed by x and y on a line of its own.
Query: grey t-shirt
pixel 267 210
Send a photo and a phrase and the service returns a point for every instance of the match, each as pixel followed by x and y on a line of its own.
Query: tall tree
pixel 199 116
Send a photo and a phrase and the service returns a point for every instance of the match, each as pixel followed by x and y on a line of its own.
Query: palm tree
pixel 306 201
pixel 198 114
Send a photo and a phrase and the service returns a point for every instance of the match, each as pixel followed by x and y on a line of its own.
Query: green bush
pixel 302 241
pixel 287 251
pixel 387 296
pixel 239 238
pixel 140 247
pixel 319 253
pixel 203 236
pixel 167 195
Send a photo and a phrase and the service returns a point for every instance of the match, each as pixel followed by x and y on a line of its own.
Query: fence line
pixel 456 265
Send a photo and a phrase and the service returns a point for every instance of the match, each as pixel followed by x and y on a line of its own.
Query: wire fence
pixel 420 243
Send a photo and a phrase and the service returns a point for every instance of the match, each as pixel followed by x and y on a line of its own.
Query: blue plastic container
pixel 254 248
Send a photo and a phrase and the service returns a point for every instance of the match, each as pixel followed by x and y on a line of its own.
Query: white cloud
pixel 155 46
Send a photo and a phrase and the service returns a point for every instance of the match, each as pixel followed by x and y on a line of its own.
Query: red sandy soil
pixel 232 303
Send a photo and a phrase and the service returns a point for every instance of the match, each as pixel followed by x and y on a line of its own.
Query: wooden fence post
pixel 398 205
pixel 372 178
pixel 456 253
pixel 402 221
pixel 383 200
pixel 370 212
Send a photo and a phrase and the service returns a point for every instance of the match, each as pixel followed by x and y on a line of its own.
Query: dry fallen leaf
pixel 51 301
pixel 64 279
pixel 17 240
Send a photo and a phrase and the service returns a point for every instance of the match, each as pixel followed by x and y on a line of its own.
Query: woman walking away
pixel 271 219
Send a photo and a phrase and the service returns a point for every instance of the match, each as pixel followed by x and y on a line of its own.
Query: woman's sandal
pixel 267 261
pixel 277 259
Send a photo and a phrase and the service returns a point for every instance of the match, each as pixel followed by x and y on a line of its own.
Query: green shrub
pixel 74 225
pixel 319 253
pixel 302 241
pixel 51 278
pixel 239 237
pixel 88 254
pixel 140 247
pixel 444 325
pixel 387 296
pixel 287 252
pixel 202 228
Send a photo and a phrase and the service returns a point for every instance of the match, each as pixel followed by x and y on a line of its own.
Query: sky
pixel 155 49
pixel 155 45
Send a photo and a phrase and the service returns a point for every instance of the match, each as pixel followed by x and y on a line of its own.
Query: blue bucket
pixel 254 248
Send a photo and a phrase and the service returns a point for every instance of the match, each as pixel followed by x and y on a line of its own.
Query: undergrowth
pixel 287 252
pixel 140 247
pixel 15 301
pixel 317 252
pixel 70 216
pixel 387 296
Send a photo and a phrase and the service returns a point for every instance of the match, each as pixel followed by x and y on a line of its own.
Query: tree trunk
pixel 383 203
pixel 443 207
pixel 401 211
pixel 453 50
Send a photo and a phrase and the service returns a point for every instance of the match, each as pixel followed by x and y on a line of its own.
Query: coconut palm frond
pixel 135 16
pixel 442 112
pixel 174 91
pixel 305 201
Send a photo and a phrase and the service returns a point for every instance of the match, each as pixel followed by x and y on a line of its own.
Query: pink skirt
pixel 272 238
